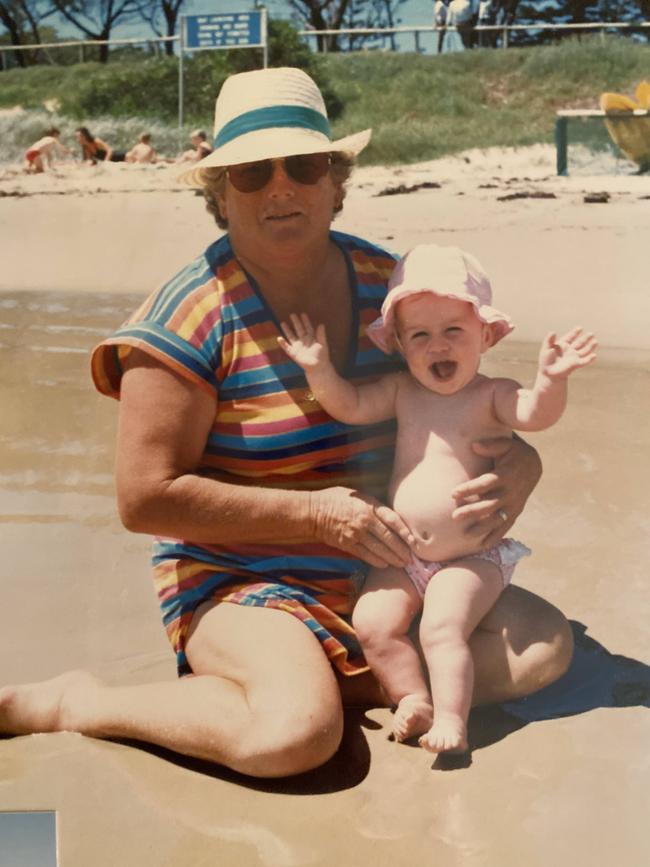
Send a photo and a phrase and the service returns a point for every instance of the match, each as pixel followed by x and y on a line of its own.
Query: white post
pixel 181 51
pixel 265 36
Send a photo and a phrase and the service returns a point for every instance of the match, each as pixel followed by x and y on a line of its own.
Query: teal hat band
pixel 273 116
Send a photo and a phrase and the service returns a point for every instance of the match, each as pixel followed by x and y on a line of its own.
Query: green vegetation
pixel 423 107
pixel 420 106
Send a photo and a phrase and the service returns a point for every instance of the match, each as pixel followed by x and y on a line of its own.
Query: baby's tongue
pixel 444 369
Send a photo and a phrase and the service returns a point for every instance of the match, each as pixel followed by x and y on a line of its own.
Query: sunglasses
pixel 304 168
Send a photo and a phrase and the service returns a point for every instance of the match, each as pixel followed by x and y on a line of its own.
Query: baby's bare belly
pixel 423 498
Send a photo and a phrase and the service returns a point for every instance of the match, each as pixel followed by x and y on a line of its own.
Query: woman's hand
pixel 491 503
pixel 362 526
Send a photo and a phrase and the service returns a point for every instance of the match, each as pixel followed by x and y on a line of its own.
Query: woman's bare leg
pixel 522 644
pixel 264 700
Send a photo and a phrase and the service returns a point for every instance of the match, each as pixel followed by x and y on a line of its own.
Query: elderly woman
pixel 266 511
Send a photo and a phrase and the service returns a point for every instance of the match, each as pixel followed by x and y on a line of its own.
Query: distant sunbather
pixel 143 151
pixel 201 148
pixel 94 149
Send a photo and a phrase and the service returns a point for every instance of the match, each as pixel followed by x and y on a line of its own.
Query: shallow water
pixel 55 437
pixel 63 543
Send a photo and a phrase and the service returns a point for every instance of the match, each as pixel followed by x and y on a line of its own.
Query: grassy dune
pixel 420 107
pixel 424 107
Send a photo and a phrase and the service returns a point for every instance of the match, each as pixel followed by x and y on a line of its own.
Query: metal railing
pixel 503 29
pixel 416 30
pixel 81 44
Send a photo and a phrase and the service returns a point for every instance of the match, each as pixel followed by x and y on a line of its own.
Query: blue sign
pixel 225 30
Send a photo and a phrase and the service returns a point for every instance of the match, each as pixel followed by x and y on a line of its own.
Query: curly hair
pixel 214 183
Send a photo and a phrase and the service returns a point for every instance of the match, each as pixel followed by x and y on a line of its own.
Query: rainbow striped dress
pixel 212 325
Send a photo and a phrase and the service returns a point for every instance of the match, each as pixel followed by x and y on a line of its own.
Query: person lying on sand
pixel 437 314
pixel 42 152
pixel 200 149
pixel 143 151
pixel 95 149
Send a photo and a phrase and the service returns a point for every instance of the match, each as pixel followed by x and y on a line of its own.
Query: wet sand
pixel 560 778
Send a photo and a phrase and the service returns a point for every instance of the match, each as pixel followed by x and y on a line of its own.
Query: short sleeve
pixel 180 325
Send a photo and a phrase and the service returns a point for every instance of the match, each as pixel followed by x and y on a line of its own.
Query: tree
pixel 369 14
pixel 169 11
pixel 96 18
pixel 21 19
pixel 345 14
pixel 583 11
pixel 322 15
pixel 573 12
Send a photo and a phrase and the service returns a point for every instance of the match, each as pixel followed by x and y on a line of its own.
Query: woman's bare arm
pixel 165 421
pixel 102 144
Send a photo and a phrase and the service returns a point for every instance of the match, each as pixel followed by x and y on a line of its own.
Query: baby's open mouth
pixel 443 370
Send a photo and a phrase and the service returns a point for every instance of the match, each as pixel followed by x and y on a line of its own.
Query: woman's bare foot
pixel 50 706
pixel 413 716
pixel 448 734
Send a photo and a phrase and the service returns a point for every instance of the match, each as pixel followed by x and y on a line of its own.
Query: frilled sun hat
pixel 267 114
pixel 445 271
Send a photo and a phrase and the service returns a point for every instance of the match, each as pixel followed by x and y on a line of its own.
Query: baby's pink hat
pixel 446 271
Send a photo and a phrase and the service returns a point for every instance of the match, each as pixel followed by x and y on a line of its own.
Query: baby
pixel 437 313
pixel 41 153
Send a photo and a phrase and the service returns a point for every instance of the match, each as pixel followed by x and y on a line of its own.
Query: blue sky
pixel 412 12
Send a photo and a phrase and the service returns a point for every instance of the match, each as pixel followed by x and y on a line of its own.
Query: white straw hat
pixel 267 114
pixel 445 271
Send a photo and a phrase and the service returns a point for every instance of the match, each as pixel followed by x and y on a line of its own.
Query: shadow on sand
pixel 595 679
pixel 343 771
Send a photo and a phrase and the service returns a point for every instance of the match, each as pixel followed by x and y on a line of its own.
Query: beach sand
pixel 560 778
pixel 123 228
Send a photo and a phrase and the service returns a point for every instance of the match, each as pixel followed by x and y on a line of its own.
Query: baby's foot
pixel 413 716
pixel 448 734
pixel 49 706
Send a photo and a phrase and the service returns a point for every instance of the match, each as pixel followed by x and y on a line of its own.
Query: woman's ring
pixel 503 515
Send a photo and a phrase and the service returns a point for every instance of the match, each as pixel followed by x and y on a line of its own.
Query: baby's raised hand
pixel 304 345
pixel 559 358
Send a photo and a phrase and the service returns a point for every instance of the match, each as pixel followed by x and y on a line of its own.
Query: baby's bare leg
pixel 382 618
pixel 456 600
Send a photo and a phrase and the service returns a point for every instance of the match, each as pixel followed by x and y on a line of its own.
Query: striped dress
pixel 212 325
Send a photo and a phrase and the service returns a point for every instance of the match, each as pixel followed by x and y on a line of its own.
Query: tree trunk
pixel 104 49
pixel 323 43
pixel 15 34
pixel 41 53
pixel 171 16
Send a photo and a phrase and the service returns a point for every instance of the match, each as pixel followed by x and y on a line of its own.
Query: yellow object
pixel 643 94
pixel 632 135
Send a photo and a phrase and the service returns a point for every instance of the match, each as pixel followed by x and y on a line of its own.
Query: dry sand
pixel 560 779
